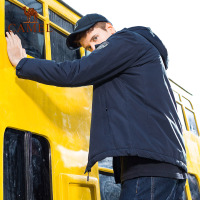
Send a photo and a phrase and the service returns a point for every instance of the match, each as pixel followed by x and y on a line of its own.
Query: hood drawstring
pixel 87 170
pixel 88 176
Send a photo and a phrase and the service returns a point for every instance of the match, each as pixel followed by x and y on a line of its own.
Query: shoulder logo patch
pixel 103 45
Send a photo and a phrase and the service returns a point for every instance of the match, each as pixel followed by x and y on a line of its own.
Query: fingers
pixel 9 38
pixel 14 48
pixel 13 39
pixel 18 40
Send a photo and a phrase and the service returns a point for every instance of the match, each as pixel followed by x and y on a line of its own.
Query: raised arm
pixel 108 60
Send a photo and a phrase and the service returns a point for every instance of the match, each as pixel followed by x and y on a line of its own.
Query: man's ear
pixel 110 28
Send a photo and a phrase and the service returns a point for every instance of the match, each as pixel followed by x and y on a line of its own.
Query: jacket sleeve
pixel 113 56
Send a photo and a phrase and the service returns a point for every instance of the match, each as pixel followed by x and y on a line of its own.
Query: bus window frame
pixel 185 116
pixel 180 102
pixel 182 107
pixel 59 28
pixel 45 18
pixel 27 137
pixel 194 119
pixel 62 31
pixel 41 17
pixel 177 100
pixel 188 101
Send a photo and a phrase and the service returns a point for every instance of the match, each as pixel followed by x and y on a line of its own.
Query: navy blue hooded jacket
pixel 134 110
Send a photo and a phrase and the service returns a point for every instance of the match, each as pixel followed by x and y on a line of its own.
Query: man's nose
pixel 92 47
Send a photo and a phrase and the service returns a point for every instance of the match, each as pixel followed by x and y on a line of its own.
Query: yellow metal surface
pixel 103 169
pixel 61 115
pixel 77 187
pixel 192 143
pixel 193 151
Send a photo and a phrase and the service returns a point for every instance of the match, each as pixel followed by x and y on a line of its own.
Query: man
pixel 134 117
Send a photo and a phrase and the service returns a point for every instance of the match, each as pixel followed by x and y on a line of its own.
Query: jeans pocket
pixel 163 188
pixel 154 188
pixel 142 188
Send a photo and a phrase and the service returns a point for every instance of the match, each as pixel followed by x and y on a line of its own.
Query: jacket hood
pixel 147 33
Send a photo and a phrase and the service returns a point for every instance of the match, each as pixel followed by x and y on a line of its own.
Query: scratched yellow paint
pixel 62 115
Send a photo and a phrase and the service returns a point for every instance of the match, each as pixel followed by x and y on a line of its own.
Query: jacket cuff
pixel 20 64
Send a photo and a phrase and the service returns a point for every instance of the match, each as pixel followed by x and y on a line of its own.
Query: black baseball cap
pixel 81 25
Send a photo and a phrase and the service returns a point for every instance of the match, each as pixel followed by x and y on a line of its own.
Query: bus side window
pixel 41 170
pixel 60 21
pixel 32 40
pixel 191 121
pixel 194 187
pixel 59 49
pixel 14 165
pixel 181 117
pixel 26 160
pixel 108 188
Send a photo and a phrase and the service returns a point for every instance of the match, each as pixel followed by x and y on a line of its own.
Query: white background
pixel 177 24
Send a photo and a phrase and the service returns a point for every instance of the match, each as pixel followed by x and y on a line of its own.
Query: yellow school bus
pixel 191 132
pixel 45 130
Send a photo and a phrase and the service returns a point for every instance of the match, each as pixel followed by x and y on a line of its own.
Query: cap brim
pixel 70 39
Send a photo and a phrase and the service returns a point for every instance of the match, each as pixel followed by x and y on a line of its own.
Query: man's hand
pixel 14 48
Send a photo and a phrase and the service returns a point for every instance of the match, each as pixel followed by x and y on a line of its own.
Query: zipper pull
pixel 88 176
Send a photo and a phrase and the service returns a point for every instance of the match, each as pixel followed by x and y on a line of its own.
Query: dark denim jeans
pixel 152 188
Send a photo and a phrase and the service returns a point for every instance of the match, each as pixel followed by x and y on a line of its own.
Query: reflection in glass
pixel 60 21
pixel 108 188
pixel 181 117
pixel 59 50
pixel 27 171
pixel 33 4
pixel 191 121
pixel 32 40
pixel 13 165
pixel 194 187
pixel 40 168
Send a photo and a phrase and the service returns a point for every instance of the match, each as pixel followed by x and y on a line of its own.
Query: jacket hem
pixel 136 152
